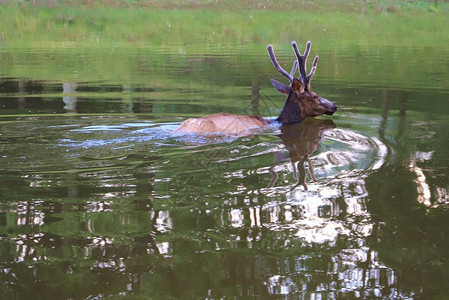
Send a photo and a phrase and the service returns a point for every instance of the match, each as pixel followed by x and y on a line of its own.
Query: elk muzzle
pixel 329 106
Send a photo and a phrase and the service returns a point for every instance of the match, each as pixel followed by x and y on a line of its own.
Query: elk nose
pixel 329 105
pixel 333 109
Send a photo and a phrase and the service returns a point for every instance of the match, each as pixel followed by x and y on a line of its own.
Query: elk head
pixel 301 102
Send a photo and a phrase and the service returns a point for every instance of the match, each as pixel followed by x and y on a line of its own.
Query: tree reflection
pixel 159 218
pixel 68 89
pixel 411 230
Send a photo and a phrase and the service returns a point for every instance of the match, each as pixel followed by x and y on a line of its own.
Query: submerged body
pixel 224 123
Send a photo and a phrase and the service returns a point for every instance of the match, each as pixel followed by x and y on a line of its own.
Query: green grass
pixel 378 6
pixel 111 39
pixel 206 28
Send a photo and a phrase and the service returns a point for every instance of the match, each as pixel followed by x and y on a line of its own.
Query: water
pixel 100 198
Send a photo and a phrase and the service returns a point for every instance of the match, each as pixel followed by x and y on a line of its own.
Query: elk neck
pixel 291 113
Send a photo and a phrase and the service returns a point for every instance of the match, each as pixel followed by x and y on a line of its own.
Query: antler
pixel 278 66
pixel 302 61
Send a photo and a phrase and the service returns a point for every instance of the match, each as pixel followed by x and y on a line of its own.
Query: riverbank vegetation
pixel 125 35
pixel 376 6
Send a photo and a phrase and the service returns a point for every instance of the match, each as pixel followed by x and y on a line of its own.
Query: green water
pixel 100 198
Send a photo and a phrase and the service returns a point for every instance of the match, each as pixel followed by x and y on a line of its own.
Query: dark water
pixel 99 198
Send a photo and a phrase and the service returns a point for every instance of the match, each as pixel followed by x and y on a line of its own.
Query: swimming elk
pixel 301 102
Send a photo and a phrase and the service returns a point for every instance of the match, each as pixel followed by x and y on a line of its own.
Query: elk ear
pixel 280 87
pixel 297 86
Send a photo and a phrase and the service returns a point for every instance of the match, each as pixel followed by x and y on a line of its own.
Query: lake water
pixel 100 198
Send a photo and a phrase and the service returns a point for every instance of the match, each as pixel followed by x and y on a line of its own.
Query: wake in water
pixel 128 134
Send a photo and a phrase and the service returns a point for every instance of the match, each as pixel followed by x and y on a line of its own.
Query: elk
pixel 301 102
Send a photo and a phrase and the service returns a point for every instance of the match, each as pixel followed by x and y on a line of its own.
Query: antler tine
pixel 312 71
pixel 295 66
pixel 307 51
pixel 277 65
pixel 302 61
pixel 311 169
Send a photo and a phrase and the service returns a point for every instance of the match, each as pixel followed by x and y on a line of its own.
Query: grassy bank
pixel 99 36
pixel 376 6
pixel 205 27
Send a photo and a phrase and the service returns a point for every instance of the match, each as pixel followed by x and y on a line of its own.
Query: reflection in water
pixel 119 221
pixel 109 203
pixel 329 212
pixel 301 140
pixel 68 89
pixel 21 91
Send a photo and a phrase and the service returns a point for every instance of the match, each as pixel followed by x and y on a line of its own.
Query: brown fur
pixel 224 123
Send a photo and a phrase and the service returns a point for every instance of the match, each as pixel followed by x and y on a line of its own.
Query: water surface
pixel 100 198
